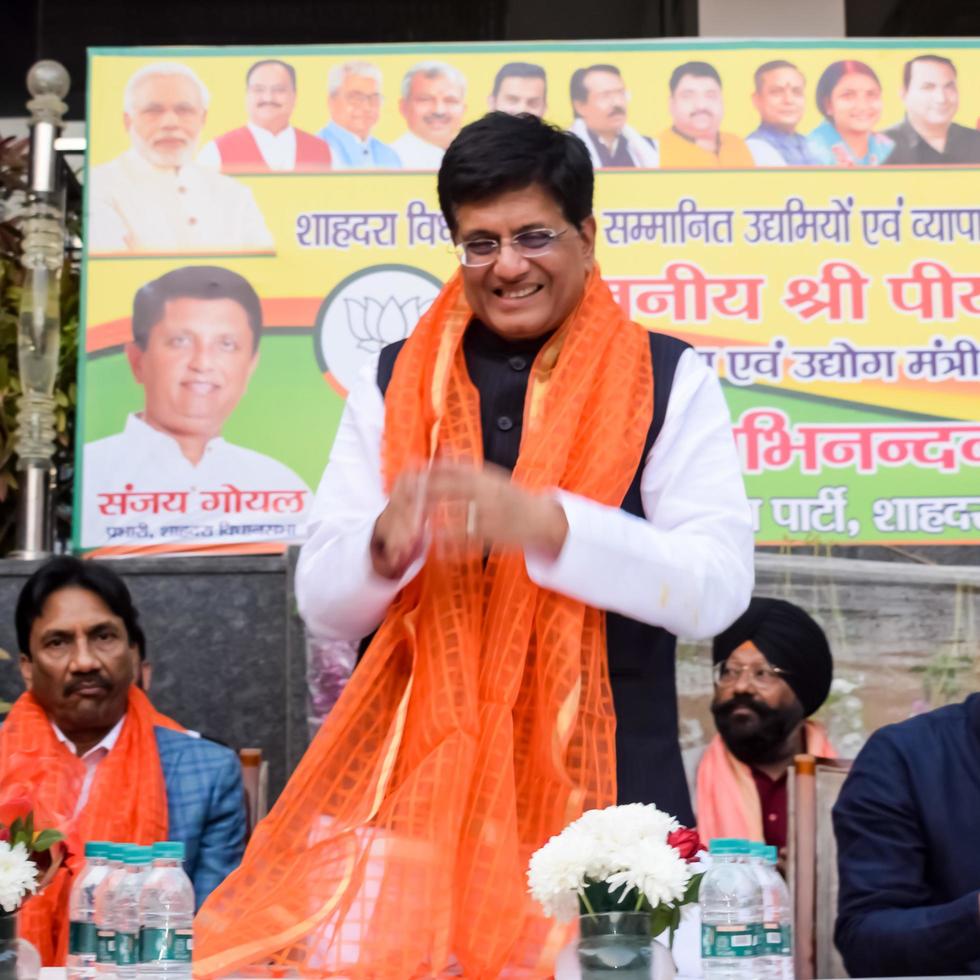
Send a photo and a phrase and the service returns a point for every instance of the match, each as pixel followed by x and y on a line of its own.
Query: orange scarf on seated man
pixel 480 720
pixel 127 800
pixel 727 801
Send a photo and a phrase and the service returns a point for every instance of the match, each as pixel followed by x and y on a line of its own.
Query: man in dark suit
pixel 908 848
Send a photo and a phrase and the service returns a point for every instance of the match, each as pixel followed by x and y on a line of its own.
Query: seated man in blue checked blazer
pixel 84 744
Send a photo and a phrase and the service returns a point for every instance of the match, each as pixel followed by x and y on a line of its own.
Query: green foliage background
pixel 13 184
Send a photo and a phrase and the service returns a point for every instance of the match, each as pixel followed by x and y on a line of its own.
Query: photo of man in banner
pixel 169 476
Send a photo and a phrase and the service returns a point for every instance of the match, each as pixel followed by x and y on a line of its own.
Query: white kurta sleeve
pixel 339 595
pixel 107 230
pixel 688 566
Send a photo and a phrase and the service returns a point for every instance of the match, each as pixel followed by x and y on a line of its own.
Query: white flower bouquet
pixel 29 858
pixel 630 858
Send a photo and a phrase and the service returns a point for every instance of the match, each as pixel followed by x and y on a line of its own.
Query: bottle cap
pixel 97 848
pixel 169 849
pixel 757 849
pixel 728 845
pixel 772 854
pixel 138 854
pixel 117 852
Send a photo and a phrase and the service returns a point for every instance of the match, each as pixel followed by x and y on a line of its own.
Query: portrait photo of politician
pixel 599 102
pixel 695 139
pixel 354 100
pixel 519 86
pixel 849 99
pixel 780 99
pixel 154 197
pixel 433 101
pixel 268 141
pixel 194 348
pixel 928 135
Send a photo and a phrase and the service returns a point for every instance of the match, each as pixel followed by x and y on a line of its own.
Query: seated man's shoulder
pixel 921 734
pixel 192 750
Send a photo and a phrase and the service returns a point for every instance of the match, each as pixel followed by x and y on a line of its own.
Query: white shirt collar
pixel 136 428
pixel 108 740
pixel 283 136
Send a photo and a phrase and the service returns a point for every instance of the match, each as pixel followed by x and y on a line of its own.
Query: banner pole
pixel 39 319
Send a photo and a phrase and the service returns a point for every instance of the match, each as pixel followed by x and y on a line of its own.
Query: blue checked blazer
pixel 205 806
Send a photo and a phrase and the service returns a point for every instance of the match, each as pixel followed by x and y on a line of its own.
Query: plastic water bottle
pixel 778 916
pixel 126 906
pixel 166 915
pixel 82 937
pixel 731 913
pixel 768 958
pixel 105 916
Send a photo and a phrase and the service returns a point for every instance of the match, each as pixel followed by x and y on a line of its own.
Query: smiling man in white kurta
pixel 153 197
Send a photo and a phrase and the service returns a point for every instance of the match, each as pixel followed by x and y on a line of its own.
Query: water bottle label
pixel 174 945
pixel 786 934
pixel 772 939
pixel 728 941
pixel 126 946
pixel 82 938
pixel 105 946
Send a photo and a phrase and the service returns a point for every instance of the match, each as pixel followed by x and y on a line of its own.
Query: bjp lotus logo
pixel 375 324
pixel 366 311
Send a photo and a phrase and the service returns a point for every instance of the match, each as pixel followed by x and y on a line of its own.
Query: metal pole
pixel 39 324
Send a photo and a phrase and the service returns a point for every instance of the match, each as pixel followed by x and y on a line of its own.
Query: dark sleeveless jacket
pixel 641 657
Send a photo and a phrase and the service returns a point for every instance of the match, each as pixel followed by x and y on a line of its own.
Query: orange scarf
pixel 127 800
pixel 480 721
pixel 727 799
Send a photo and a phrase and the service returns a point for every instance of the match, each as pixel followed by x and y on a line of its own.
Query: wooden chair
pixel 813 789
pixel 255 777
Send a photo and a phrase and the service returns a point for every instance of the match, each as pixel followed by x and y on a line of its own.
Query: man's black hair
pixel 769 66
pixel 193 282
pixel 937 58
pixel 290 70
pixel 578 90
pixel 501 153
pixel 65 572
pixel 697 69
pixel 518 69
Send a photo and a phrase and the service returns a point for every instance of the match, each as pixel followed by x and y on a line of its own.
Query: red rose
pixel 686 842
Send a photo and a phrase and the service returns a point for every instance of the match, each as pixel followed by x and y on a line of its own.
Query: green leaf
pixel 47 838
pixel 660 919
pixel 693 888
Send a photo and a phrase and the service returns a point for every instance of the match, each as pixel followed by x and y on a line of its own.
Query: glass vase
pixel 19 960
pixel 615 942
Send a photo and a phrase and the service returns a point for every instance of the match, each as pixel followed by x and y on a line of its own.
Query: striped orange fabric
pixel 127 800
pixel 480 720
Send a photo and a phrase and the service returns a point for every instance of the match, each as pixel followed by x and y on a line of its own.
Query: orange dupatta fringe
pixel 727 799
pixel 480 720
pixel 127 800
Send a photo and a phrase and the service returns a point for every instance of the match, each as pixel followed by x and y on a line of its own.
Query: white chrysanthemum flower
pixel 18 875
pixel 624 846
pixel 653 868
pixel 556 873
pixel 629 822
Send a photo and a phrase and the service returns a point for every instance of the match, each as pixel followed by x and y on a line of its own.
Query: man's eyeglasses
pixel 761 676
pixel 528 244
pixel 361 99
